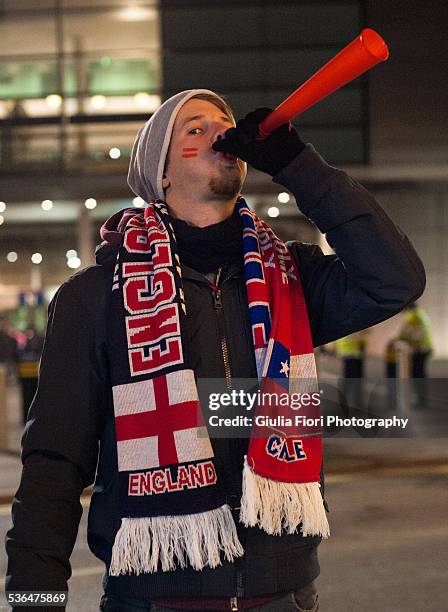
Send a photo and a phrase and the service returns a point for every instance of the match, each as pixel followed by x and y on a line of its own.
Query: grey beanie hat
pixel 151 147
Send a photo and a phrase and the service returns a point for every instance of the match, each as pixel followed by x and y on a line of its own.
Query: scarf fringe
pixel 281 506
pixel 194 539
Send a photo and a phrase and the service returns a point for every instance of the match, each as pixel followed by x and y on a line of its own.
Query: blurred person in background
pixel 29 352
pixel 352 352
pixel 8 349
pixel 169 302
pixel 416 332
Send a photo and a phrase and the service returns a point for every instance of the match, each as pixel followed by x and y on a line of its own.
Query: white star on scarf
pixel 285 368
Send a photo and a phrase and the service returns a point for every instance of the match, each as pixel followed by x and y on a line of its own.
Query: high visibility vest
pixel 416 330
pixel 352 346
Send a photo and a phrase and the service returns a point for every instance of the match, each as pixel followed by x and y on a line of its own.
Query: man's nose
pixel 220 130
pixel 220 134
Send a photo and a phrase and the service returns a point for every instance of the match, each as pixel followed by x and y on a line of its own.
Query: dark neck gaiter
pixel 205 249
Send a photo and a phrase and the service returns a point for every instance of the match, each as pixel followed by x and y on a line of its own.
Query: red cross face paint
pixel 190 152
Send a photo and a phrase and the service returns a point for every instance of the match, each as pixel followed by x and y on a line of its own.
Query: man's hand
pixel 270 155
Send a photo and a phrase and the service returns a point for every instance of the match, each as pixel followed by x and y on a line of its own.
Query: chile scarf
pixel 173 509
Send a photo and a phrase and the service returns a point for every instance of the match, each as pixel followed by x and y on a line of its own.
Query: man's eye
pixel 194 130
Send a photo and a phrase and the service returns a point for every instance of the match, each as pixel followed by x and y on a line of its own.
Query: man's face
pixel 193 166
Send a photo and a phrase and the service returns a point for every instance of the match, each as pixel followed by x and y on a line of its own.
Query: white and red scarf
pixel 173 508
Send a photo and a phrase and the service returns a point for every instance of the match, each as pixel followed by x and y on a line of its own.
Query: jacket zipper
pixel 239 591
pixel 217 302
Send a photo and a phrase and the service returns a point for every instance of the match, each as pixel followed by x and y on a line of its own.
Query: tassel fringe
pixel 281 506
pixel 190 539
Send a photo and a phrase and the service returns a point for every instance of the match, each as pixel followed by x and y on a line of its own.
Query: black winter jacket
pixel 373 275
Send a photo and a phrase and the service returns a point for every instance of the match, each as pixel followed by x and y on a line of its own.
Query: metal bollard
pixel 403 353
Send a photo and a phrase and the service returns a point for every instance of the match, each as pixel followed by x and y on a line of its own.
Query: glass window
pixel 109 49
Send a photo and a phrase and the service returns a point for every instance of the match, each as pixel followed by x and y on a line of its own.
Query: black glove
pixel 270 155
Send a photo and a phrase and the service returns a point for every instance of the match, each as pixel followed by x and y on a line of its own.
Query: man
pixel 352 351
pixel 8 349
pixel 215 541
pixel 416 332
pixel 28 356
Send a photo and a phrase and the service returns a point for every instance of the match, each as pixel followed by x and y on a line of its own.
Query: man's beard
pixel 226 187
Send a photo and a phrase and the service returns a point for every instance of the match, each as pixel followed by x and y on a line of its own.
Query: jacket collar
pixel 235 268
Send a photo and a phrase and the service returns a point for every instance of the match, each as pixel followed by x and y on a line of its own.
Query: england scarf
pixel 173 508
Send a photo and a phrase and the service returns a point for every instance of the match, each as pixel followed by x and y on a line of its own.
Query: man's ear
pixel 165 182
